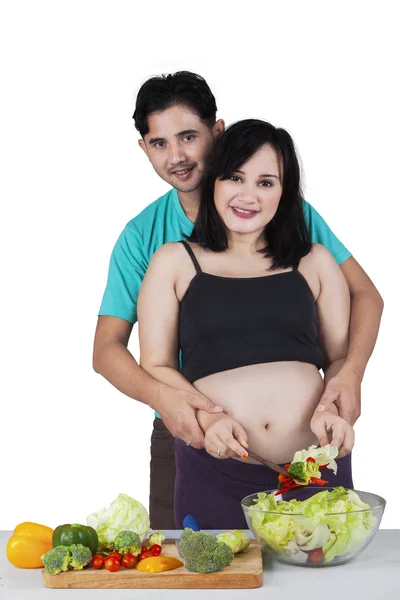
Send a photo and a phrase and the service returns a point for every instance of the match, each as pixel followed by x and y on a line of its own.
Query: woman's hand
pixel 334 430
pixel 226 435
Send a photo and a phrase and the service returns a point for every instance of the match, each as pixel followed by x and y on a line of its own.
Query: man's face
pixel 177 146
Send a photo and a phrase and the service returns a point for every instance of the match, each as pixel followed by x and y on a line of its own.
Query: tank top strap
pixel 192 256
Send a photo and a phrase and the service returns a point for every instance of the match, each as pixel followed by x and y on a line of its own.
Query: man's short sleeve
pixel 322 234
pixel 127 268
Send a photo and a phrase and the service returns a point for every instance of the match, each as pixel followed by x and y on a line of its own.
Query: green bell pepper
pixel 66 535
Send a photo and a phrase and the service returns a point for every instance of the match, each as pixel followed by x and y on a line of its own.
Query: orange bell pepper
pixel 27 544
pixel 156 564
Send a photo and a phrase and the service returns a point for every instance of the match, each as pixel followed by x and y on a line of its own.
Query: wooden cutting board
pixel 246 571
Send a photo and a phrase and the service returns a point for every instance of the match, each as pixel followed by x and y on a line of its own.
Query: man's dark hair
pixel 175 89
pixel 287 237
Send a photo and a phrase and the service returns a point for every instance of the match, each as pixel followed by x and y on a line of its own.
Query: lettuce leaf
pixel 322 456
pixel 124 514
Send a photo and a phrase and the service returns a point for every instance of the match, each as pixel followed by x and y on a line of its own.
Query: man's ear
pixel 218 128
pixel 143 146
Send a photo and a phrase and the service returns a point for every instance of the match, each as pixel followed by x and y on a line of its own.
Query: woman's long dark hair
pixel 286 235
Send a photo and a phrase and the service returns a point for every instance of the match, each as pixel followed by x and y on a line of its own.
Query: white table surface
pixel 374 575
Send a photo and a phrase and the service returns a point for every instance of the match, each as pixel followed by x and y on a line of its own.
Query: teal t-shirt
pixel 165 221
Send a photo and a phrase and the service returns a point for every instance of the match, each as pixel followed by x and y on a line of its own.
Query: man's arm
pixel 344 386
pixel 112 359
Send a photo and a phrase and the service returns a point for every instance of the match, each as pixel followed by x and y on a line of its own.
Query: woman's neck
pixel 245 243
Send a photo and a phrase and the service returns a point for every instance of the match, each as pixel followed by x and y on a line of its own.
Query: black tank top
pixel 228 322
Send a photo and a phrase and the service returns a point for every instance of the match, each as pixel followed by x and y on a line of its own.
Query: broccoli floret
pixel 56 560
pixel 157 538
pixel 80 556
pixel 298 470
pixel 203 553
pixel 303 471
pixel 128 541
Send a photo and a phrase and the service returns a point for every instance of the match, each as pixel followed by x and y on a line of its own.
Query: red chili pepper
pixel 318 481
pixel 323 466
pixel 310 459
pixel 287 489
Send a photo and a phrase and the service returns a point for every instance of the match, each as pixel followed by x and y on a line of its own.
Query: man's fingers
pixel 192 433
pixel 327 399
pixel 203 403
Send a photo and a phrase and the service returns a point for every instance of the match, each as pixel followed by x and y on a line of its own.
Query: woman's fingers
pixel 348 442
pixel 342 437
pixel 240 435
pixel 227 446
pixel 319 428
pixel 233 446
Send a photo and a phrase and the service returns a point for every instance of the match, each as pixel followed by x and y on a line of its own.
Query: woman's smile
pixel 244 213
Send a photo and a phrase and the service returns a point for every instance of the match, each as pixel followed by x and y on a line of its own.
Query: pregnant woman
pixel 257 311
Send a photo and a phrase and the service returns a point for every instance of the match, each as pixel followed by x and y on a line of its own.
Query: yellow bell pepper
pixel 156 564
pixel 27 544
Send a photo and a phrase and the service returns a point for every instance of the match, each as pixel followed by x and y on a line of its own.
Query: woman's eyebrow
pixel 262 175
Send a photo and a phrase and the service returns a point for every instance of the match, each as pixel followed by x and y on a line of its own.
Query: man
pixel 176 118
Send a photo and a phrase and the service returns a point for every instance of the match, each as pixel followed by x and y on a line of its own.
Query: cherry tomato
pixel 144 548
pixel 155 549
pixel 315 556
pixel 145 554
pixel 129 561
pixel 112 563
pixel 117 554
pixel 97 562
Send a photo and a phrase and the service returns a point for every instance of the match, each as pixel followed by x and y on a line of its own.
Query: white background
pixel 73 175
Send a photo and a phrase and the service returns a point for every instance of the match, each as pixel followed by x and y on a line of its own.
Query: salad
pixel 316 529
pixel 306 468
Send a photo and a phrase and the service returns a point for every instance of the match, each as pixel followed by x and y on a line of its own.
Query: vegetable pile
pixel 314 530
pixel 306 466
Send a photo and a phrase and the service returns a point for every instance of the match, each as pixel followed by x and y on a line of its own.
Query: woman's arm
pixel 333 307
pixel 158 317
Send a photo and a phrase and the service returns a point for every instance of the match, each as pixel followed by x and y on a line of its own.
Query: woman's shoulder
pixel 321 257
pixel 169 255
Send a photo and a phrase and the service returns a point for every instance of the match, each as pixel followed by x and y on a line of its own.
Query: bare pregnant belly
pixel 274 403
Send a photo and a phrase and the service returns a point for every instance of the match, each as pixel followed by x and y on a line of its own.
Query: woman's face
pixel 248 201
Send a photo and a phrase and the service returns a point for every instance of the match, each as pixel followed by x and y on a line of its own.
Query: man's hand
pixel 177 409
pixel 343 390
pixel 332 429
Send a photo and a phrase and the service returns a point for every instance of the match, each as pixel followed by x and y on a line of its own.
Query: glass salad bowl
pixel 314 527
